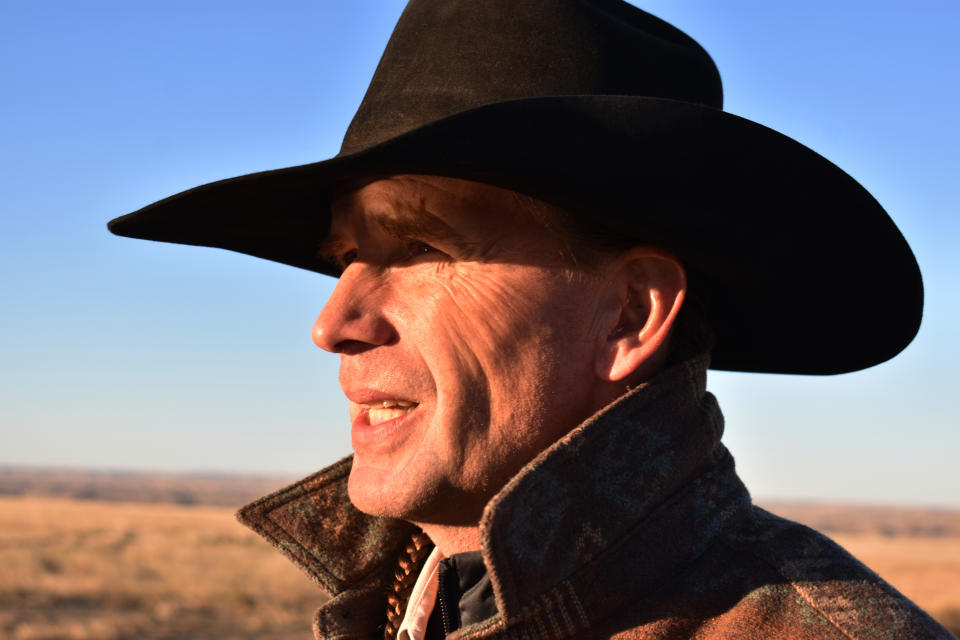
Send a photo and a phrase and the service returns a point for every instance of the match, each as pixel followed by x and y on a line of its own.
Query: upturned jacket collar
pixel 561 539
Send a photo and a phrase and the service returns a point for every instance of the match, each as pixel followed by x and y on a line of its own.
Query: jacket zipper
pixel 443 597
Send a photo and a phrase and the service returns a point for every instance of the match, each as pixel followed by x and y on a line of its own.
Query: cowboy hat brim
pixel 795 265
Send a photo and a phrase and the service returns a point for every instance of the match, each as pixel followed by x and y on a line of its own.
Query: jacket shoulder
pixel 816 589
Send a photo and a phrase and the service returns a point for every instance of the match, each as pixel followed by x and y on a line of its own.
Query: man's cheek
pixel 492 304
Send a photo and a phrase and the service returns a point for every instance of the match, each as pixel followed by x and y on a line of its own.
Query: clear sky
pixel 130 354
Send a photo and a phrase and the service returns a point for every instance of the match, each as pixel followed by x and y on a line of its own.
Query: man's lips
pixel 380 425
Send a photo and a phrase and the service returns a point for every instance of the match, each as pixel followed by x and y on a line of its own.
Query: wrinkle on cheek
pixel 494 320
pixel 466 402
pixel 495 306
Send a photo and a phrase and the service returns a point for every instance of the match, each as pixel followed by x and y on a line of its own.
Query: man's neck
pixel 453 539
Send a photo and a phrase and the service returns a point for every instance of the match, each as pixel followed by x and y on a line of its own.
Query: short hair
pixel 584 244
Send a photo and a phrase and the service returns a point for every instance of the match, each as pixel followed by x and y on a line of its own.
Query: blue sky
pixel 130 354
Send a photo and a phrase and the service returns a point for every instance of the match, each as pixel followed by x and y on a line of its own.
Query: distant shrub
pixel 86 492
pixel 185 498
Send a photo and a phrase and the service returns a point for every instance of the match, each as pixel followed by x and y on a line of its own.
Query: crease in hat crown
pixel 448 56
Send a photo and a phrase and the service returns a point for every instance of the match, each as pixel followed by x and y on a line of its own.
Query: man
pixel 545 228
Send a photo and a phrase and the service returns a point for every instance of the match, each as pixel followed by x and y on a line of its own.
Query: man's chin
pixel 385 495
pixel 388 494
pixel 378 493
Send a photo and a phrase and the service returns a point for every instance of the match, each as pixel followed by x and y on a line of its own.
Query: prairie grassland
pixel 72 569
pixel 219 489
pixel 110 571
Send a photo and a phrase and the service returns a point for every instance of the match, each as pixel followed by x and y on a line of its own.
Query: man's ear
pixel 649 285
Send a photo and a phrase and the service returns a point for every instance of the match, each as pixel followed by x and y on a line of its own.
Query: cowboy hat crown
pixel 449 56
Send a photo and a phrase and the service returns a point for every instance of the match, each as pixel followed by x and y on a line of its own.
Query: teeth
pixel 376 416
pixel 403 404
pixel 387 410
pixel 390 404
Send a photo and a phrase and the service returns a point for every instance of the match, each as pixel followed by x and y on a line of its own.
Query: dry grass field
pixel 88 568
pixel 109 571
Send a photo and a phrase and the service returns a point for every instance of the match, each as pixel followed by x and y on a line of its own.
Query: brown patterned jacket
pixel 634 525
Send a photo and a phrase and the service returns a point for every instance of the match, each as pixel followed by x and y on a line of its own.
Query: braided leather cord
pixel 405 576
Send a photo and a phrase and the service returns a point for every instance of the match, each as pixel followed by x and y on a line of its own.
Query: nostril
pixel 352 347
pixel 354 318
pixel 353 334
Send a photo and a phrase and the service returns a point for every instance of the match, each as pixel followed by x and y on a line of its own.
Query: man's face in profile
pixel 465 342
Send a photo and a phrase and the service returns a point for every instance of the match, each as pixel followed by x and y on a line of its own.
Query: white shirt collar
pixel 422 599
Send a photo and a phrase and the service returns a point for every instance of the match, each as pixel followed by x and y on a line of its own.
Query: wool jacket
pixel 634 525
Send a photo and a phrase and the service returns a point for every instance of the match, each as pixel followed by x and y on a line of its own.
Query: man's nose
pixel 353 318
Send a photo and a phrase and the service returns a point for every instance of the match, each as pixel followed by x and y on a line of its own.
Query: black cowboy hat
pixel 607 111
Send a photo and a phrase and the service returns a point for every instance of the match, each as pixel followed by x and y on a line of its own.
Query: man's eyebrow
pixel 423 225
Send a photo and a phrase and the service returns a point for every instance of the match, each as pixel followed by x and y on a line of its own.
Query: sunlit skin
pixel 468 343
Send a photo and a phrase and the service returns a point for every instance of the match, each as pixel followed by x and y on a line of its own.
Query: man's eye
pixel 416 248
pixel 421 248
